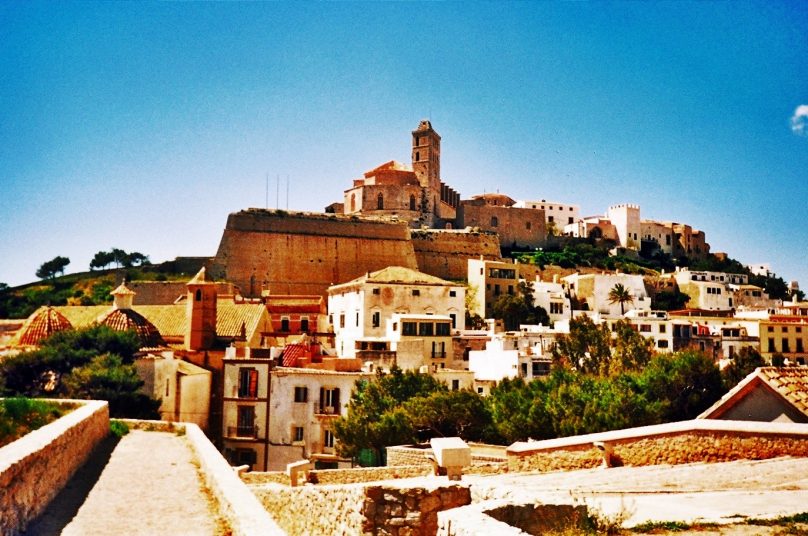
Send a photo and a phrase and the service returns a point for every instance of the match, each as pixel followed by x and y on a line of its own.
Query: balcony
pixel 326 409
pixel 247 432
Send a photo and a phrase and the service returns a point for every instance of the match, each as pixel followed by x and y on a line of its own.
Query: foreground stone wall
pixel 674 443
pixel 504 519
pixel 359 509
pixel 305 253
pixel 445 254
pixel 35 468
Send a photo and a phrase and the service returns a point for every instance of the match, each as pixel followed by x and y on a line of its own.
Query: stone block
pixel 451 451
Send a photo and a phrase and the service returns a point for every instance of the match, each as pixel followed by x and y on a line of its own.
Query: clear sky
pixel 142 125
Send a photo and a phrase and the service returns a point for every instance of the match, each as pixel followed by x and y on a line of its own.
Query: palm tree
pixel 622 295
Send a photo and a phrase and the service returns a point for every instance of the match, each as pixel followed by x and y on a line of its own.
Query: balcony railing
pixel 326 409
pixel 243 431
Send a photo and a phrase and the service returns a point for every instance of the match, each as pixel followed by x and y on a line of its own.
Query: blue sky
pixel 142 125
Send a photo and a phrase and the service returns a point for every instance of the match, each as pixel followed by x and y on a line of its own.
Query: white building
pixel 361 310
pixel 654 325
pixel 709 290
pixel 182 387
pixel 304 403
pixel 557 214
pixel 524 354
pixel 595 288
pixel 551 296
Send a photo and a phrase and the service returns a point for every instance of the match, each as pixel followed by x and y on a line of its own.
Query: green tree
pixel 462 413
pixel 106 377
pixel 70 363
pixel 586 349
pixel 102 259
pixel 630 350
pixel 517 410
pixel 685 383
pixel 519 308
pixel 745 361
pixel 670 300
pixel 375 417
pixel 49 269
pixel 620 294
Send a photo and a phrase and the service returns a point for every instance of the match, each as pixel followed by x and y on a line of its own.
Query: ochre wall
pixel 303 253
pixel 445 254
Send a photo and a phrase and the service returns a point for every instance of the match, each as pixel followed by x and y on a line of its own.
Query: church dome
pixel 126 319
pixel 495 199
pixel 42 324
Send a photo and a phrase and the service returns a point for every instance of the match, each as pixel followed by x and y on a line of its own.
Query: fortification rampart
pixel 444 253
pixel 305 253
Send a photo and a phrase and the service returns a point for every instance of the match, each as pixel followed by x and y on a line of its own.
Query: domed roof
pixel 42 324
pixel 126 319
pixel 496 199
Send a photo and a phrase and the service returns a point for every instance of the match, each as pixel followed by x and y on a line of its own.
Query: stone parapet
pixel 35 468
pixel 244 513
pixel 358 509
pixel 673 443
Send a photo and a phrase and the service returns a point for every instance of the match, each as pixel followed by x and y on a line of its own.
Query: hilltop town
pixel 263 345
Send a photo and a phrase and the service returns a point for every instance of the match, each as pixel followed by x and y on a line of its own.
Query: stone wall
pixel 305 253
pixel 674 443
pixel 35 468
pixel 504 518
pixel 481 462
pixel 519 227
pixel 444 254
pixel 360 509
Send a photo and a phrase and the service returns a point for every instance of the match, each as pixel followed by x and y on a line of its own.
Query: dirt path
pixel 147 483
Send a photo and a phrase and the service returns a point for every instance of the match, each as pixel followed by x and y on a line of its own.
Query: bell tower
pixel 426 156
pixel 201 313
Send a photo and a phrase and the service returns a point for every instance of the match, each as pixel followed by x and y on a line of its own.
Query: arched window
pixel 494 221
pixel 380 202
pixel 417 156
pixel 198 294
pixel 353 202
pixel 412 202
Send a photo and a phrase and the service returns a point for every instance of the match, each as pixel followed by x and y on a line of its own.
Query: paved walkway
pixel 147 483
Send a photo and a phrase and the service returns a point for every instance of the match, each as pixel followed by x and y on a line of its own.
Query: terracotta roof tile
pixel 42 324
pixel 790 382
pixel 126 319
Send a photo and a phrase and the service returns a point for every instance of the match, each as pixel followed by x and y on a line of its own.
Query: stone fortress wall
pixel 305 253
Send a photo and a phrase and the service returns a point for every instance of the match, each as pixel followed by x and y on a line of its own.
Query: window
pixel 329 401
pixel 455 385
pixel 662 344
pixel 645 328
pixel 454 319
pixel 412 202
pixel 786 348
pixel 417 156
pixel 771 345
pixel 331 319
pixel 376 319
pixel 376 291
pixel 356 322
pixel 285 324
pixel 556 308
pixel 452 293
pixel 416 292
pixel 569 220
pixel 301 394
pixel 247 382
pixel 663 328
pixel 246 422
pixel 304 325
pixel 425 329
pixel 168 384
pixel 510 290
pixel 297 433
pixel 342 320
pixel 479 390
pixel 380 202
pixel 409 328
pixel 198 294
pixel 799 346
pixel 527 225
pixel 328 439
pixel 494 221
pixel 443 329
pixel 540 368
pixel 550 219
pixel 497 292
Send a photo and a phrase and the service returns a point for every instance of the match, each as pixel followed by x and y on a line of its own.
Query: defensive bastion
pixel 305 253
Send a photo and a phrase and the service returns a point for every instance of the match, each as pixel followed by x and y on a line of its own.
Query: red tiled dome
pixel 126 319
pixel 42 324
